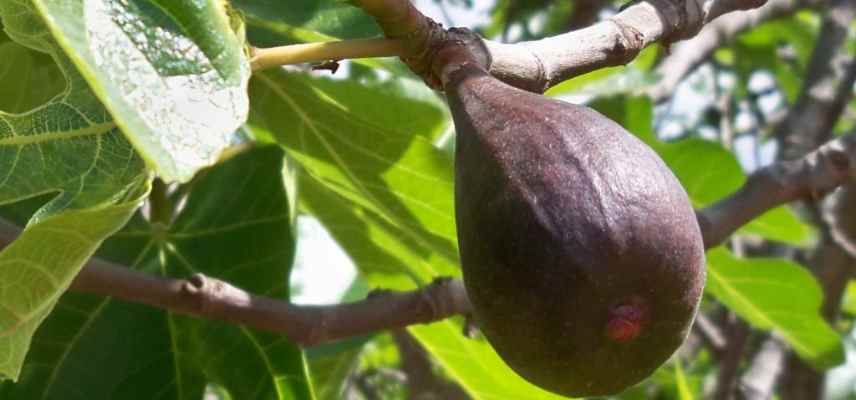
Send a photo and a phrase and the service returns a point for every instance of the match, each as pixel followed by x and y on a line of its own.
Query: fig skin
pixel 580 250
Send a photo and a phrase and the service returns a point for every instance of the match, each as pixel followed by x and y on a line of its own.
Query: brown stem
pixel 759 381
pixel 827 87
pixel 811 176
pixel 687 55
pixel 729 362
pixel 210 298
pixel 539 65
pixel 711 334
pixel 422 381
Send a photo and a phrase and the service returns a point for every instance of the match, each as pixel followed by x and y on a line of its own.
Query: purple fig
pixel 580 249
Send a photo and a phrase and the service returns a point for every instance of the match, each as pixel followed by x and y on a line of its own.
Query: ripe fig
pixel 580 250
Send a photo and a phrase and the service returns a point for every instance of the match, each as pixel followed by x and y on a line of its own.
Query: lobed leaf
pixel 68 149
pixel 173 73
pixel 235 225
pixel 40 265
pixel 380 164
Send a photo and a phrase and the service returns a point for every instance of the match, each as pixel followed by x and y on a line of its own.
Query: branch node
pixel 542 81
pixel 690 18
pixel 839 161
pixel 424 43
pixel 197 282
pixel 629 42
pixel 436 307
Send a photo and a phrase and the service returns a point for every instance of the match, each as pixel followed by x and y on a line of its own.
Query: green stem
pixel 324 51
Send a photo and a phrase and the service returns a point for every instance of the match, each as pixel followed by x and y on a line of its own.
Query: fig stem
pixel 263 58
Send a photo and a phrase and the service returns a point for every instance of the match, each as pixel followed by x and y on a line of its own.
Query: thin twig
pixel 759 381
pixel 812 176
pixel 210 298
pixel 324 51
pixel 535 65
pixel 729 362
pixel 687 55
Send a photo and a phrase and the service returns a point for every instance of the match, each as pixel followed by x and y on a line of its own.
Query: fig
pixel 580 250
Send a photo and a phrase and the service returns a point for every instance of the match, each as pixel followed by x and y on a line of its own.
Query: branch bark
pixel 538 65
pixel 422 381
pixel 759 381
pixel 729 362
pixel 210 298
pixel 689 54
pixel 827 87
pixel 811 176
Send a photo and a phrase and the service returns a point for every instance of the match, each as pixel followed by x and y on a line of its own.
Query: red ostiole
pixel 627 320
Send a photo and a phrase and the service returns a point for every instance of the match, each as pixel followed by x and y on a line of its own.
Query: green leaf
pixel 475 365
pixel 388 259
pixel 684 391
pixel 172 73
pixel 236 226
pixel 275 23
pixel 759 49
pixel 68 146
pixel 69 150
pixel 374 158
pixel 28 79
pixel 848 304
pixel 710 173
pixel 332 364
pixel 33 279
pixel 774 294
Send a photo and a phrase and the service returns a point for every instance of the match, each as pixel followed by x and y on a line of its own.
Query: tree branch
pixel 689 54
pixel 729 362
pixel 422 381
pixel 210 298
pixel 535 65
pixel 538 65
pixel 813 175
pixel 759 381
pixel 827 87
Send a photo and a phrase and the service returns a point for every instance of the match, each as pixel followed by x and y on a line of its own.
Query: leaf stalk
pixel 263 58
